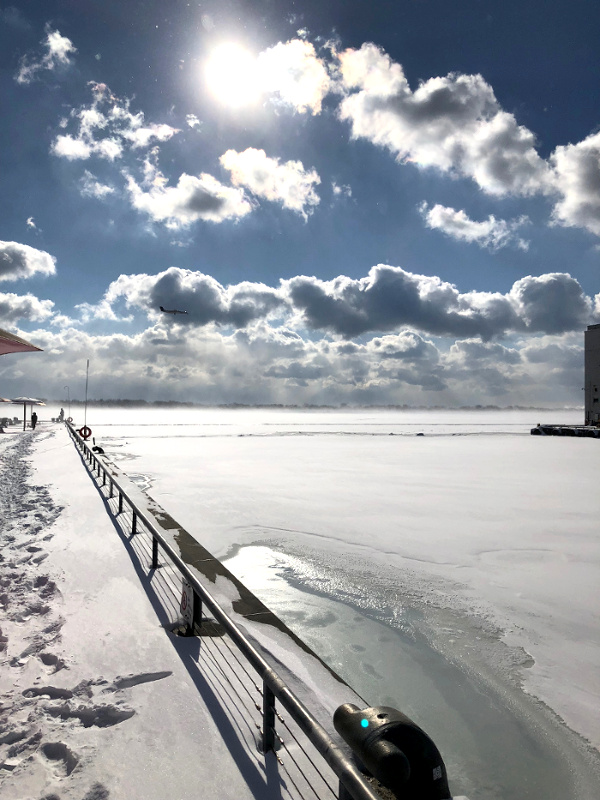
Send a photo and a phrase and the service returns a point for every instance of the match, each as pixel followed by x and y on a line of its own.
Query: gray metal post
pixel 134 524
pixel 120 502
pixel 154 553
pixel 268 731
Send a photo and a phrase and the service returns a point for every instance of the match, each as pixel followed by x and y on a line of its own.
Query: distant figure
pixel 33 420
pixel 61 416
pixel 171 311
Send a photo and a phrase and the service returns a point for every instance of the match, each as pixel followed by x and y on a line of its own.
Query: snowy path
pixel 97 699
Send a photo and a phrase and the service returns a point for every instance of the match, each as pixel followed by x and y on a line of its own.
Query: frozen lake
pixel 454 574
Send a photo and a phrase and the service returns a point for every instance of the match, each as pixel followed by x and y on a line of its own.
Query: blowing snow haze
pixel 396 203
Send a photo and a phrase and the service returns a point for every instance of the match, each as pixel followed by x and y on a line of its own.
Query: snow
pixel 98 699
pixel 476 543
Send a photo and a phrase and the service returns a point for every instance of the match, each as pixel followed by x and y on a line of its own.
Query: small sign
pixel 187 602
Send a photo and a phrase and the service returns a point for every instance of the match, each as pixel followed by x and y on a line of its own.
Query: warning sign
pixel 187 602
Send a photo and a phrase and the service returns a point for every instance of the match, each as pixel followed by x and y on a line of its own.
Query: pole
pixel 87 373
pixel 68 400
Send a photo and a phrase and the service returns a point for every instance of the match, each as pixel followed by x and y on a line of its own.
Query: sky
pixel 353 202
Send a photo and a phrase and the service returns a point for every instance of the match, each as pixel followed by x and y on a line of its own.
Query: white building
pixel 592 375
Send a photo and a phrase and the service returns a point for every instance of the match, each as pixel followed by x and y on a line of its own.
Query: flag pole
pixel 87 373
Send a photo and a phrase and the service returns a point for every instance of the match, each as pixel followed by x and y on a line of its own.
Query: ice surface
pixel 474 547
pixel 486 531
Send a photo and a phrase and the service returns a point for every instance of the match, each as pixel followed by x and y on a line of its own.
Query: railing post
pixel 111 488
pixel 344 794
pixel 268 731
pixel 190 607
pixel 120 502
pixel 103 477
pixel 134 523
pixel 197 614
pixel 154 552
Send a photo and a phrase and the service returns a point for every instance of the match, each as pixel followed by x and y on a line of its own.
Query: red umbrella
pixel 9 343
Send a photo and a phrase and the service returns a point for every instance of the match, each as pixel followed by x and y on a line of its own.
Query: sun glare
pixel 231 75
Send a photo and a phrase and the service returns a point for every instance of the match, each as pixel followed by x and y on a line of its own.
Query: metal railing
pixel 353 784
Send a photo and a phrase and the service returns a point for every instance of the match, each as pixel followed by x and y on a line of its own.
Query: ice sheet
pixel 483 528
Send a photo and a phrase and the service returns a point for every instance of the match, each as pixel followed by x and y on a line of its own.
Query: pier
pixel 589 431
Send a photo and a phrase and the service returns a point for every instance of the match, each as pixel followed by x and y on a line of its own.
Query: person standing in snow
pixel 33 420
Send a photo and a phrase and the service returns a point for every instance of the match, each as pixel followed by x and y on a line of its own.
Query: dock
pixel 589 431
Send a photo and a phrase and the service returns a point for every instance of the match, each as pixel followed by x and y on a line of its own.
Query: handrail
pixel 350 777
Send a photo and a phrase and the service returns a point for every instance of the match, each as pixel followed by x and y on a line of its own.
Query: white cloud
pixel 491 233
pixel 295 74
pixel 194 198
pixel 552 303
pixel 91 186
pixel 57 53
pixel 204 299
pixel 102 310
pixel 31 223
pixel 388 300
pixel 288 183
pixel 263 364
pixel 71 148
pixel 453 123
pixel 193 121
pixel 22 261
pixel 106 129
pixel 14 307
pixel 577 171
pixel 338 190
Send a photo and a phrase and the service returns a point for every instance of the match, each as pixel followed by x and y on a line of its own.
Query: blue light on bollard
pixel 391 747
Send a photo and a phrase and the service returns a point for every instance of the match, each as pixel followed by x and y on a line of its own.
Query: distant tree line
pixel 125 403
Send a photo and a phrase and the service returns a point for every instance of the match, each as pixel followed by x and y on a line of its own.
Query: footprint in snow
pixel 63 759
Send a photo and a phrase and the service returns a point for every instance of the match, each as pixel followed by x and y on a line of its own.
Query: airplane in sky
pixel 172 311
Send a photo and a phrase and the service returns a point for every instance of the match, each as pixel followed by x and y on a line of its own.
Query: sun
pixel 232 76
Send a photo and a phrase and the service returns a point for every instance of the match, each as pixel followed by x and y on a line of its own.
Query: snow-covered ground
pixel 455 575
pixel 98 699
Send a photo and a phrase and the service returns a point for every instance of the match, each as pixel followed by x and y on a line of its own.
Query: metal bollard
pixel 394 750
